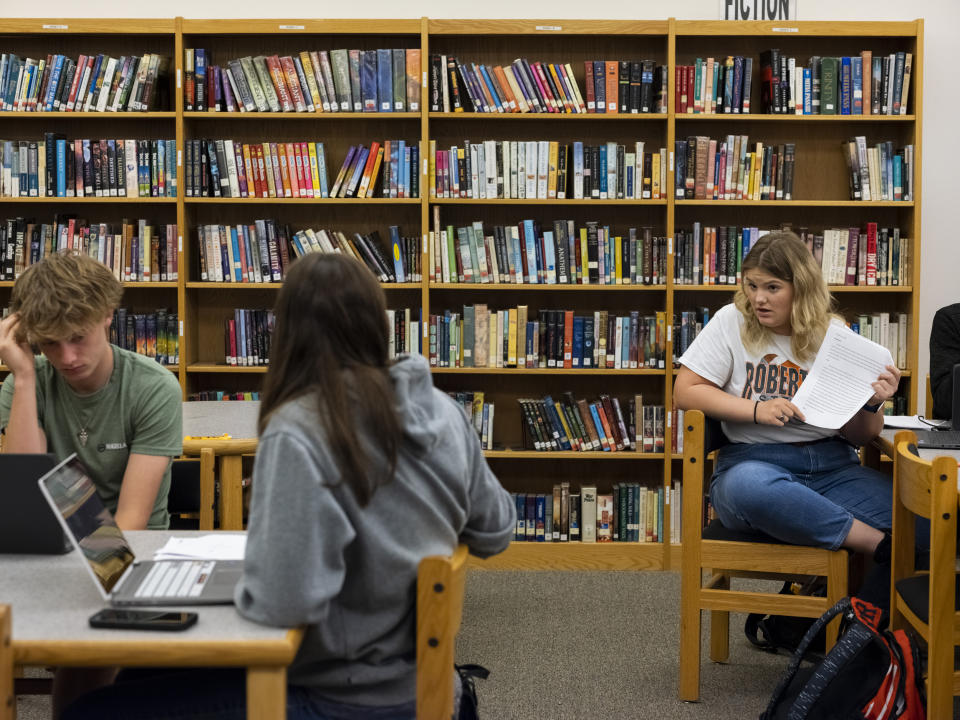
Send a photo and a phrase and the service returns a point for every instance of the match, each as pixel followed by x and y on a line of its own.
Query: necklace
pixel 83 436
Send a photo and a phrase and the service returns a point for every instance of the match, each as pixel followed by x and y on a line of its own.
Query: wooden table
pixel 52 597
pixel 213 419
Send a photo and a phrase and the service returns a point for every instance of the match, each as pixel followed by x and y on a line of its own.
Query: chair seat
pixel 716 530
pixel 915 592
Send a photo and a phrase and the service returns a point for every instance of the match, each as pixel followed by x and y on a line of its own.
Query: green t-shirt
pixel 137 411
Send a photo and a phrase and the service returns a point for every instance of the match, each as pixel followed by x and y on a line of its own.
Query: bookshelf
pixel 820 201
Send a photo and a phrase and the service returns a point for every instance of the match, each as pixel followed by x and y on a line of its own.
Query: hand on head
pixel 14 353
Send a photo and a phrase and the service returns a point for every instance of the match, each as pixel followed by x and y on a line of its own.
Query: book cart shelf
pixel 820 192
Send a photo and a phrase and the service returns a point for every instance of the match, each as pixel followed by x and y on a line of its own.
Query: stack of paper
pixel 216 546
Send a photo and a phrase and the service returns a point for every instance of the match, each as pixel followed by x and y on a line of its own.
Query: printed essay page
pixel 839 383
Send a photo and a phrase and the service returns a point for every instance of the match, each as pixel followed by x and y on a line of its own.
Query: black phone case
pixel 97 622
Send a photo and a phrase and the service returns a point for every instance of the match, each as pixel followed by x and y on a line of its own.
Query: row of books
pixel 57 167
pixel 228 168
pixel 727 169
pixel 528 254
pixel 154 335
pixel 879 173
pixel 687 324
pixel 135 251
pixel 208 395
pixel 404 338
pixel 482 337
pixel 381 80
pixel 714 86
pixel 851 256
pixel 547 169
pixel 246 337
pixel 864 84
pixel 404 264
pixel 602 424
pixel 611 86
pixel 887 329
pixel 631 513
pixel 712 255
pixel 91 83
pixel 480 411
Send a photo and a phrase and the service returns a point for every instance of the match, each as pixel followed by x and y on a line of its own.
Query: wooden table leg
pixel 266 693
pixel 231 492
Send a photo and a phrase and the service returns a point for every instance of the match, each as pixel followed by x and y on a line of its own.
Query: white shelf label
pixel 669 246
pixel 55 27
pixel 179 158
pixel 424 167
pixel 785 29
pixel 179 243
pixel 424 81
pixel 292 27
pixel 549 28
pixel 671 158
pixel 667 491
pixel 669 333
pixel 178 78
pixel 181 328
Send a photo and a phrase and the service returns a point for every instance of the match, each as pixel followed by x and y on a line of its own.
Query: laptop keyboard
pixel 175 579
pixel 946 439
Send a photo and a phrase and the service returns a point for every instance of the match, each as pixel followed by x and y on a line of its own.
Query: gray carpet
pixel 588 645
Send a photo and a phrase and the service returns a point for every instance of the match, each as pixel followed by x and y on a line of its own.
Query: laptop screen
pixel 90 525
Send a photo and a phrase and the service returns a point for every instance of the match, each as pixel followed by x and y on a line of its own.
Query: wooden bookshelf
pixel 820 200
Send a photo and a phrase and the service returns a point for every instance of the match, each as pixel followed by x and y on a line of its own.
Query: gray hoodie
pixel 315 557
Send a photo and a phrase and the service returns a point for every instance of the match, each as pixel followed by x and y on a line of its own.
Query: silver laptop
pixel 120 578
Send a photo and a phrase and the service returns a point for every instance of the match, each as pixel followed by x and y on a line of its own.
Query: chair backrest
pixel 8 708
pixel 440 584
pixel 927 488
pixel 192 488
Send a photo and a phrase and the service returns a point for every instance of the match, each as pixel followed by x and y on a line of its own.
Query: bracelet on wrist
pixel 872 408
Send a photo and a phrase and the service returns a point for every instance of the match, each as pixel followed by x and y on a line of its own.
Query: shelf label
pixel 424 173
pixel 669 333
pixel 179 243
pixel 549 28
pixel 55 27
pixel 181 328
pixel 667 492
pixel 424 81
pixel 759 10
pixel 179 158
pixel 786 29
pixel 178 78
pixel 669 246
pixel 671 160
pixel 292 27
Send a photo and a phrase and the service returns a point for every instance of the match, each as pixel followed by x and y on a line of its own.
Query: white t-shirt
pixel 718 355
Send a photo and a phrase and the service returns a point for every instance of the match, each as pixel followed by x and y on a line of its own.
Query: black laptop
pixel 949 437
pixel 27 524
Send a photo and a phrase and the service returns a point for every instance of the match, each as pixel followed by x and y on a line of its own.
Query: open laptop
pixel 945 439
pixel 26 523
pixel 120 578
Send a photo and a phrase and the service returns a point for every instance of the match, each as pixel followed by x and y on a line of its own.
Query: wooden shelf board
pixel 94 26
pixel 546 116
pixel 570 454
pixel 296 26
pixel 151 285
pixel 299 201
pixel 553 201
pixel 566 372
pixel 100 115
pixel 92 200
pixel 209 367
pixel 832 288
pixel 766 117
pixel 794 203
pixel 196 115
pixel 548 27
pixel 686 29
pixel 574 556
pixel 540 287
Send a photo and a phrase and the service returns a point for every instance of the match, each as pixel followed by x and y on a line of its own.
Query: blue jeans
pixel 803 495
pixel 210 694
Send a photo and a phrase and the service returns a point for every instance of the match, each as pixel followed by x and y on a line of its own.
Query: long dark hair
pixel 330 342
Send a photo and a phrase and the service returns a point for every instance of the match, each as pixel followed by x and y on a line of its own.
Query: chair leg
pixel 689 682
pixel 940 676
pixel 837 585
pixel 720 627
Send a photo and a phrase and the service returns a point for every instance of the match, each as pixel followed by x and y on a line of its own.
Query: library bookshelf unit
pixel 820 201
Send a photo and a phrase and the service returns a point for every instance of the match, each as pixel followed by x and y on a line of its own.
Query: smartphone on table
pixel 143 619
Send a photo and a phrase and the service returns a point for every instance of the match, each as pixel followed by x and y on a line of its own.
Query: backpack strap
pixel 842 606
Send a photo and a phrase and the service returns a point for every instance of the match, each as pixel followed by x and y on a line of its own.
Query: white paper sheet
pixel 907 422
pixel 216 546
pixel 839 383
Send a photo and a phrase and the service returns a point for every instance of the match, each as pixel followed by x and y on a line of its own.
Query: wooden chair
pixel 728 554
pixel 928 408
pixel 440 581
pixel 927 601
pixel 192 491
pixel 8 703
pixel 229 453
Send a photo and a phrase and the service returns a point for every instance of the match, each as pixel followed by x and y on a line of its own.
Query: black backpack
pixel 870 674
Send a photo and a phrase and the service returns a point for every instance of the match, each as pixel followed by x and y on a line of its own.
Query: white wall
pixel 940 261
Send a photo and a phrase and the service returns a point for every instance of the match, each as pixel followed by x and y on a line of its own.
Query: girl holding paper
pixel 798 483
